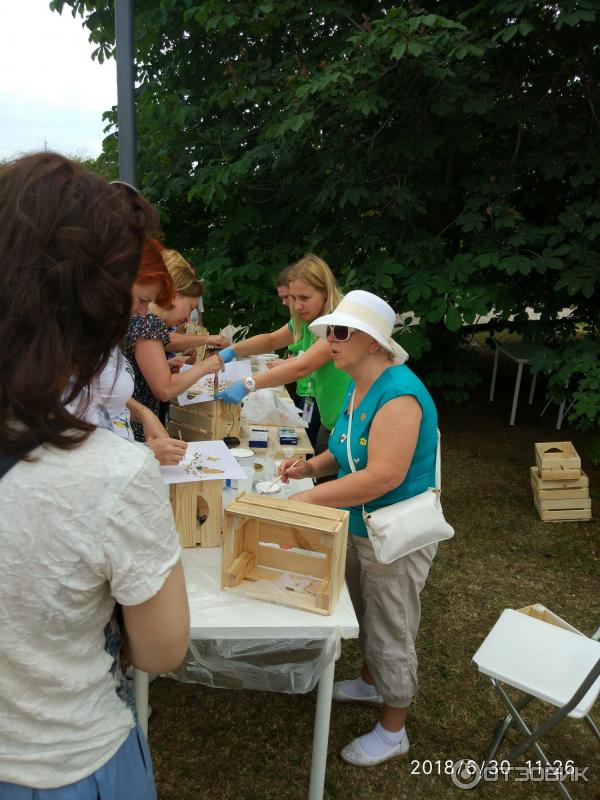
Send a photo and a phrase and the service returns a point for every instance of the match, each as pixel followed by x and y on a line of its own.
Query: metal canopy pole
pixel 125 91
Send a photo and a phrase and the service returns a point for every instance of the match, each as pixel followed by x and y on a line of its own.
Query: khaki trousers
pixel 386 600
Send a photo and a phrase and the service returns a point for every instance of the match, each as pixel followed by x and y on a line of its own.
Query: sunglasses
pixel 340 333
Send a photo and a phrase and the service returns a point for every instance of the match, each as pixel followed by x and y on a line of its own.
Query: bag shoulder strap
pixel 438 460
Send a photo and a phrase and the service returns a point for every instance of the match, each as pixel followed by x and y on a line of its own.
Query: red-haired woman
pixel 150 335
pixel 84 517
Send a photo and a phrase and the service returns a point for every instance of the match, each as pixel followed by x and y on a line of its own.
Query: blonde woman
pixel 313 292
pixel 188 293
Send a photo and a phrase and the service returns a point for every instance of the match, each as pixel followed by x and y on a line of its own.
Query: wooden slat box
pixel 202 422
pixel 557 461
pixel 192 501
pixel 561 500
pixel 315 538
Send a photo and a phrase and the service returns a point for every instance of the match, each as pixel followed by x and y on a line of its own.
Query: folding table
pixel 222 617
pixel 522 353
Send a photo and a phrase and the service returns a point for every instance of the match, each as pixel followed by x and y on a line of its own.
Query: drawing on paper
pixel 196 466
pixel 204 389
pixel 204 461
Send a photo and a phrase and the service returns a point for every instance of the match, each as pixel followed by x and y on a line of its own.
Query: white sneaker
pixel 340 695
pixel 355 754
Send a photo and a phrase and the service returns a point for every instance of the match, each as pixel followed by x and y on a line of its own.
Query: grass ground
pixel 212 744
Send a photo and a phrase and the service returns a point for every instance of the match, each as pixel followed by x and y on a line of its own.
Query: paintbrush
pixel 279 477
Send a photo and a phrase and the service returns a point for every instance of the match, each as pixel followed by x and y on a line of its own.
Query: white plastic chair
pixel 551 662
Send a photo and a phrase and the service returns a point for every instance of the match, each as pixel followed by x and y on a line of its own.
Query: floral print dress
pixel 148 327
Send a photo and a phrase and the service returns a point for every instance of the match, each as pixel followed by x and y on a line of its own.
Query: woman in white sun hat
pixel 393 446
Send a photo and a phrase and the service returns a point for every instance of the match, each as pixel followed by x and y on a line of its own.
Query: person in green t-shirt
pixel 301 392
pixel 313 291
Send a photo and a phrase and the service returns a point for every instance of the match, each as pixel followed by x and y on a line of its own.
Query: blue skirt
pixel 126 776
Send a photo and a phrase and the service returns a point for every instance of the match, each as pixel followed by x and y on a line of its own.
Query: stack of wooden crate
pixel 560 487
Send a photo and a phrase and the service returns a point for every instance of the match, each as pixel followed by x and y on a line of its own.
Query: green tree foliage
pixel 443 154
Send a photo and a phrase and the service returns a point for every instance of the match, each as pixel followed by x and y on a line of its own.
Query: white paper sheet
pixel 202 390
pixel 201 456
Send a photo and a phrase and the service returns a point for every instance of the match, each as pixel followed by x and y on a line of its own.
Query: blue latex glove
pixel 233 394
pixel 228 354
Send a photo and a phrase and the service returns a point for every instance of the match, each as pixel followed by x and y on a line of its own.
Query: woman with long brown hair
pixel 84 517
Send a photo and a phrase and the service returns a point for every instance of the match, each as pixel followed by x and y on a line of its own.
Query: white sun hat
pixel 365 312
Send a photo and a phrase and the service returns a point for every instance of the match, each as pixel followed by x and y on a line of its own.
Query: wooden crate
pixel 557 461
pixel 191 502
pixel 581 482
pixel 313 562
pixel 538 611
pixel 201 422
pixel 564 514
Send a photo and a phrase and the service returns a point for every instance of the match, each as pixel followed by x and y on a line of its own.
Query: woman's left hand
pixel 218 340
pixel 190 356
pixel 175 364
pixel 233 394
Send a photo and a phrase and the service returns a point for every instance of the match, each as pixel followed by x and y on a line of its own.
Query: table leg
pixel 140 694
pixel 561 414
pixel 321 733
pixel 532 390
pixel 513 413
pixel 494 371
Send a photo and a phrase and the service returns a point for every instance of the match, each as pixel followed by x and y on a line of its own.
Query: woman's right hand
pixel 274 362
pixel 169 452
pixel 212 364
pixel 303 469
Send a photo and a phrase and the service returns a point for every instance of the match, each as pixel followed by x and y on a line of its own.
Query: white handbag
pixel 406 526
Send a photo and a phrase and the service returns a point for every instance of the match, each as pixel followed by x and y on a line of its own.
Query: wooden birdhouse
pixel 203 422
pixel 285 552
pixel 198 512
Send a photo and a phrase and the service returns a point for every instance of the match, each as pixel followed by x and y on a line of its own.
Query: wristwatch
pixel 250 384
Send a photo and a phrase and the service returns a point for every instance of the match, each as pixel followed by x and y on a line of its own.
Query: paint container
pixel 262 487
pixel 245 459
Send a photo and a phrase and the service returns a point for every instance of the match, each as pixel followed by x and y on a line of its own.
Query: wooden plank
pixel 247 502
pixel 289 561
pixel 188 417
pixel 184 508
pixel 560 494
pixel 187 434
pixel 209 501
pixel 575 483
pixel 323 598
pixel 553 505
pixel 292 536
pixel 554 455
pixel 560 474
pixel 239 568
pixel 564 515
